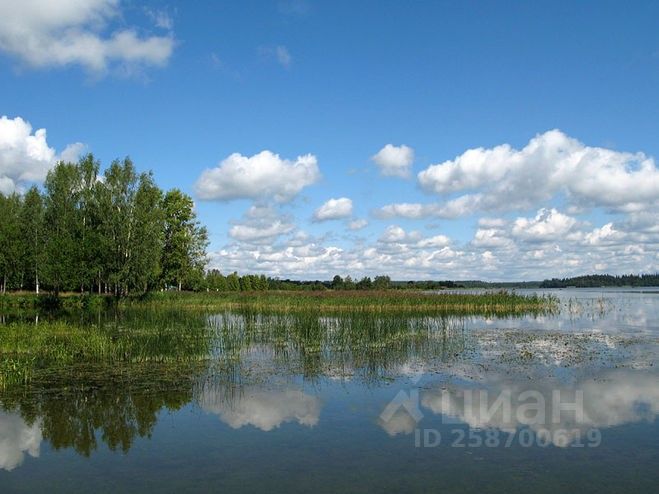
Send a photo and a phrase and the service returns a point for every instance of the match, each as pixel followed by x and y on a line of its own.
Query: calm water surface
pixel 355 404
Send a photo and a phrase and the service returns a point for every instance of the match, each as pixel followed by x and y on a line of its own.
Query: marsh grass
pixel 349 344
pixel 28 348
pixel 500 302
pixel 313 334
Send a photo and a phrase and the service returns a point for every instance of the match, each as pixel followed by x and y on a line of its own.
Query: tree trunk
pixel 37 285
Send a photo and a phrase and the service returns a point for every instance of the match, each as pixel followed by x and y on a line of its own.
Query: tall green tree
pixel 147 242
pixel 61 218
pixel 233 282
pixel 382 282
pixel 185 242
pixel 125 201
pixel 32 236
pixel 216 281
pixel 10 245
pixel 89 245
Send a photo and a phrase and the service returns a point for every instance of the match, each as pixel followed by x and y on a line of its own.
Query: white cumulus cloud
pixel 551 163
pixel 262 176
pixel 396 234
pixel 261 225
pixel 548 224
pixel 25 156
pixel 461 206
pixel 45 33
pixel 248 233
pixel 334 209
pixel 394 161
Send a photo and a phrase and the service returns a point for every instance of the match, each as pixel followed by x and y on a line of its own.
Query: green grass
pixel 402 301
pixel 483 302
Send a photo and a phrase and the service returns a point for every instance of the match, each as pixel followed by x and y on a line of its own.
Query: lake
pixel 251 402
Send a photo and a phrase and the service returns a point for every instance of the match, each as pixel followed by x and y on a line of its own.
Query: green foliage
pixel 11 256
pixel 482 303
pixel 233 282
pixel 365 283
pixel 117 235
pixel 61 217
pixel 185 242
pixel 599 280
pixel 32 238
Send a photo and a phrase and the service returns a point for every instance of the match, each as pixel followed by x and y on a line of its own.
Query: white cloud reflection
pixel 265 409
pixel 16 439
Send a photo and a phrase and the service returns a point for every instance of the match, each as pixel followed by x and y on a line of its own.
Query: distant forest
pixel 598 280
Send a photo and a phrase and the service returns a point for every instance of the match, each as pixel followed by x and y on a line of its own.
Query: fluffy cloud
pixel 395 234
pixel 43 33
pixel 547 225
pixel 455 208
pixel 262 176
pixel 357 224
pixel 551 163
pixel 26 157
pixel 334 209
pixel 434 242
pixel 405 210
pixel 394 161
pixel 247 233
pixel 261 224
pixel 491 238
pixel 552 174
pixel 548 243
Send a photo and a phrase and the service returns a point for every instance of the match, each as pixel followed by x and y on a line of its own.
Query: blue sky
pixel 182 86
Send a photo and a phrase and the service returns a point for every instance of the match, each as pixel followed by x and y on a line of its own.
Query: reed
pixel 315 334
pixel 477 303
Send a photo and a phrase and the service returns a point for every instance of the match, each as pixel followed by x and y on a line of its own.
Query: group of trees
pixel 116 233
pixel 599 280
pixel 378 283
pixel 216 281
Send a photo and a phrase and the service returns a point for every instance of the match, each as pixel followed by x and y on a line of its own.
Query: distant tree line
pixel 216 281
pixel 599 280
pixel 113 233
